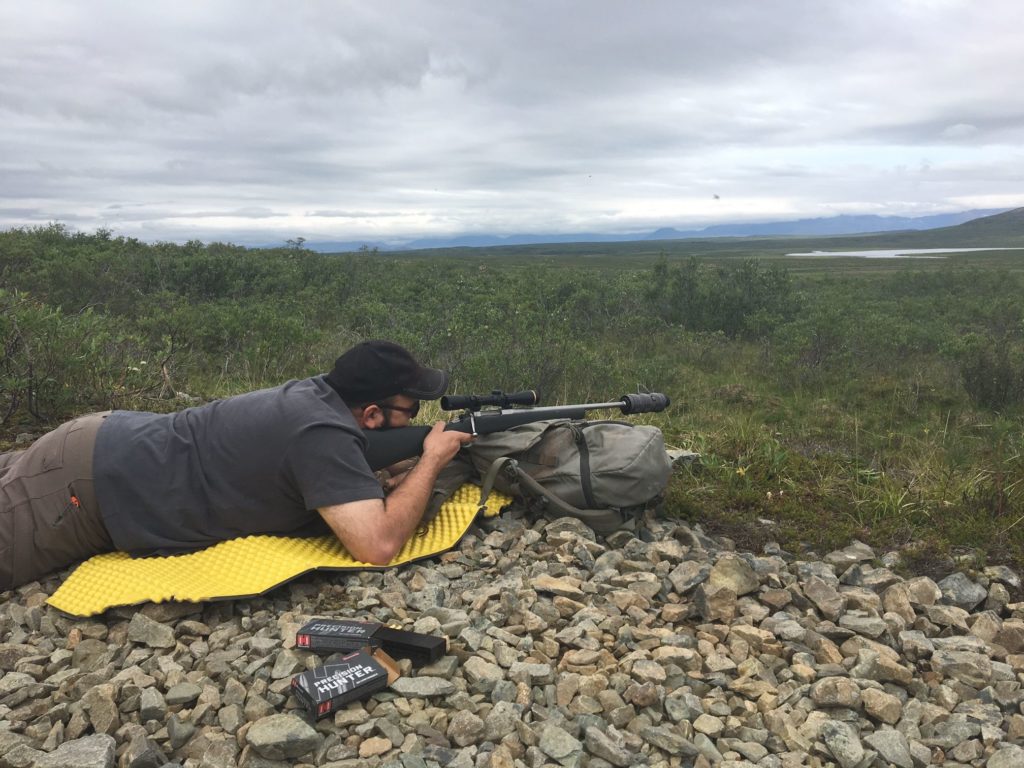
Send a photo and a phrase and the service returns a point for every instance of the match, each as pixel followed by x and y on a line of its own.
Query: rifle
pixel 496 412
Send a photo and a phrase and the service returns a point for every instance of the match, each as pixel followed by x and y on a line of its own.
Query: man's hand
pixel 441 445
pixel 374 531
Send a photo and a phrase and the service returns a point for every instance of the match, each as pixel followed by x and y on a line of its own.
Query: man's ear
pixel 369 416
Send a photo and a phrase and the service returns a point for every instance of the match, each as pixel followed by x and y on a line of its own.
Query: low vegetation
pixel 829 400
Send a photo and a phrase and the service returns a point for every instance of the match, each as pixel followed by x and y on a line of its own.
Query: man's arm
pixel 374 530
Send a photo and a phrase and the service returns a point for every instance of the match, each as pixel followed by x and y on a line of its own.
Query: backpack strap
pixel 586 482
pixel 601 520
pixel 512 473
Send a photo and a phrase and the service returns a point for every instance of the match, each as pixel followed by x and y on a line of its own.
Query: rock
pixel 22 756
pixel 282 737
pixel 649 671
pixel 735 574
pixel 863 624
pixel 881 706
pixel 645 695
pixel 99 702
pixel 501 720
pixel 986 626
pixel 836 692
pixel 231 718
pixel 1003 575
pixel 670 740
pixel 949 733
pixel 892 746
pixel 153 634
pixel 857 552
pixel 89 654
pixel 607 746
pixel 558 744
pixel 13 682
pixel 422 687
pixel 922 591
pixel 915 645
pixel 960 591
pixel 947 616
pixel 708 725
pixel 972 669
pixel 998 597
pixel 152 705
pixel 182 693
pixel 1011 636
pixel 843 742
pixel 806 570
pixel 715 603
pixel 881 667
pixel 12 653
pixel 896 599
pixel 143 753
pixel 10 740
pixel 563 587
pixel 1009 756
pixel 688 574
pixel 568 529
pixel 482 675
pixel 374 746
pixel 179 732
pixel 288 663
pixel 88 752
pixel 660 650
pixel 825 596
pixel 756 638
pixel 465 728
pixel 169 610
pixel 531 674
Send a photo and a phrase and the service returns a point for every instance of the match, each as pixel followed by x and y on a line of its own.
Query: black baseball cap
pixel 375 370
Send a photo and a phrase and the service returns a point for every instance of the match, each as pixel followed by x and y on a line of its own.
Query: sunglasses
pixel 413 411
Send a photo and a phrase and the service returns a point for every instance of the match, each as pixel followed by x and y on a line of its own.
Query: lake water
pixel 903 253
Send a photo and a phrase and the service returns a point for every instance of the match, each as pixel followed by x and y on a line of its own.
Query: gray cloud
pixel 351 120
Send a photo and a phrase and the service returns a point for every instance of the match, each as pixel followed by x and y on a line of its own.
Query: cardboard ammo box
pixel 353 677
pixel 341 635
pixel 336 635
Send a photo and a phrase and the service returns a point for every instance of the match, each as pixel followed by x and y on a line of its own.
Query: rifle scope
pixel 497 398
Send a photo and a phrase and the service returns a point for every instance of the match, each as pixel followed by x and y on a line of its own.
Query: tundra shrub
pixel 745 300
pixel 53 365
pixel 992 370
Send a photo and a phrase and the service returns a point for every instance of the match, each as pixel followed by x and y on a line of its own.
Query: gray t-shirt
pixel 262 462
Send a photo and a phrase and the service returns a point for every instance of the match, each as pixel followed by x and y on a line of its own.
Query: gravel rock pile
pixel 566 650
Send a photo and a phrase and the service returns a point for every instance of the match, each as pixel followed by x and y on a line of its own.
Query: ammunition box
pixel 342 635
pixel 354 677
pixel 336 635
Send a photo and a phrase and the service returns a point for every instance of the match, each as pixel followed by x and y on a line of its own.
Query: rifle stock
pixel 389 446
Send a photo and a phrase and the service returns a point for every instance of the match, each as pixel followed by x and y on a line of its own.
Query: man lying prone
pixel 287 460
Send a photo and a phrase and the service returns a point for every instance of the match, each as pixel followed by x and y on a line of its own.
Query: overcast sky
pixel 261 121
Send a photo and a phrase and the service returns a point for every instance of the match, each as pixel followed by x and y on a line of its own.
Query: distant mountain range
pixel 826 226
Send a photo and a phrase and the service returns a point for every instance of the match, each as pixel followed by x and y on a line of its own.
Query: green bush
pixel 53 364
pixel 992 370
pixel 745 300
pixel 813 347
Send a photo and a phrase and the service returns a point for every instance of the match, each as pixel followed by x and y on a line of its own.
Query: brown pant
pixel 49 517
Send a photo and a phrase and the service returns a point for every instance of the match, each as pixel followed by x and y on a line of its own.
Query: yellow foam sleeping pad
pixel 248 566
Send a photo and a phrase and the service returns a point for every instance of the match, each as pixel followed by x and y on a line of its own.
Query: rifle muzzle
pixel 645 402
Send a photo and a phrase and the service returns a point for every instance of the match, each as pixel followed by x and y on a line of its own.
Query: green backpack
pixel 604 473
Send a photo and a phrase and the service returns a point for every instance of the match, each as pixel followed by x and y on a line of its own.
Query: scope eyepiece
pixel 497 398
